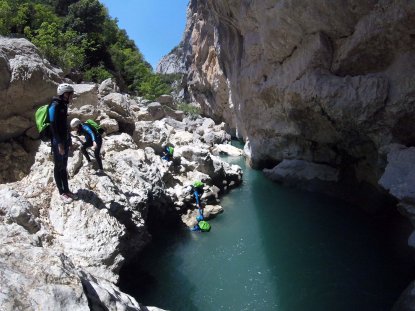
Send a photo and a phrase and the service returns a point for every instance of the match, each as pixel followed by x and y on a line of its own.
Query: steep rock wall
pixel 331 82
pixel 311 87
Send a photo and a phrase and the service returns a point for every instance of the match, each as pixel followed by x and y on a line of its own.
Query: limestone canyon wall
pixel 319 82
pixel 321 91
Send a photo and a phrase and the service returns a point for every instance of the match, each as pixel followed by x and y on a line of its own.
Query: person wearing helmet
pixel 198 190
pixel 61 139
pixel 92 139
pixel 168 152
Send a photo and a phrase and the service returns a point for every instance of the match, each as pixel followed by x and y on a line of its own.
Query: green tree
pixel 43 13
pixel 60 7
pixel 152 87
pixel 22 18
pixel 65 49
pixel 6 17
pixel 86 16
pixel 97 74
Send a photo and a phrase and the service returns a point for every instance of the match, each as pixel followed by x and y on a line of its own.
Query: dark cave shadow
pixel 137 280
pixel 134 279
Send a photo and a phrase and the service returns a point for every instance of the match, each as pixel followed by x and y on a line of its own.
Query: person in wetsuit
pixel 92 139
pixel 61 139
pixel 197 189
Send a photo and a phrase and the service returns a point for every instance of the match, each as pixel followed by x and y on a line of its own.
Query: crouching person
pixel 92 139
pixel 202 225
pixel 168 152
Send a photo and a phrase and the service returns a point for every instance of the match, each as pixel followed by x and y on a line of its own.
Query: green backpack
pixel 95 125
pixel 170 150
pixel 42 122
pixel 204 226
pixel 198 184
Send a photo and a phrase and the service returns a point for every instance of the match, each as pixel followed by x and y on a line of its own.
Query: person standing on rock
pixel 61 139
pixel 92 139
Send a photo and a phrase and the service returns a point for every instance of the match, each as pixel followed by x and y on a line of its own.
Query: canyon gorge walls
pixel 306 83
pixel 322 92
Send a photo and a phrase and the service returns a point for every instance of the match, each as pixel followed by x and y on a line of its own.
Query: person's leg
pixel 196 194
pixel 97 153
pixel 86 145
pixel 64 175
pixel 64 171
pixel 57 170
pixel 60 173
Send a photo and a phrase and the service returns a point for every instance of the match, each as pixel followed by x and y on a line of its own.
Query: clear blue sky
pixel 156 26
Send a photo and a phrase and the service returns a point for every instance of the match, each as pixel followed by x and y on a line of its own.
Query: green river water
pixel 277 248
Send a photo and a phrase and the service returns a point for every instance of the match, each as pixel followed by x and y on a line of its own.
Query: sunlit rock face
pixel 57 256
pixel 26 81
pixel 172 62
pixel 329 82
pixel 320 82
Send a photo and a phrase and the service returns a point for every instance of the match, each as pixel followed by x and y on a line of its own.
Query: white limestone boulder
pixel 108 86
pixel 27 82
pixel 17 209
pixel 109 125
pixel 152 134
pixel 156 111
pixel 165 100
pixel 226 149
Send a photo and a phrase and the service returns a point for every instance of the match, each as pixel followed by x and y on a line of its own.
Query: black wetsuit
pixel 58 117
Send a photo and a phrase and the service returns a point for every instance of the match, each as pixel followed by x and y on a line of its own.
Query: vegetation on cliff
pixel 80 37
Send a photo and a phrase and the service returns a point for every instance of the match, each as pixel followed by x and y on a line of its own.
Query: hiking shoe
pixel 72 195
pixel 66 199
pixel 100 172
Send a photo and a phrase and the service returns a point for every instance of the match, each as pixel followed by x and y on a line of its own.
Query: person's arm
pixel 53 122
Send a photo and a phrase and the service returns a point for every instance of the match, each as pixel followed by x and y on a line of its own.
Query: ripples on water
pixel 276 249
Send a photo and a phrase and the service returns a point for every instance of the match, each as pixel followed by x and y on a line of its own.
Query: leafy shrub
pixel 97 74
pixel 153 87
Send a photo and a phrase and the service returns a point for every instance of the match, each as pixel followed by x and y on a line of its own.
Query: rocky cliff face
pixel 174 62
pixel 327 82
pixel 56 256
pixel 26 80
pixel 321 91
